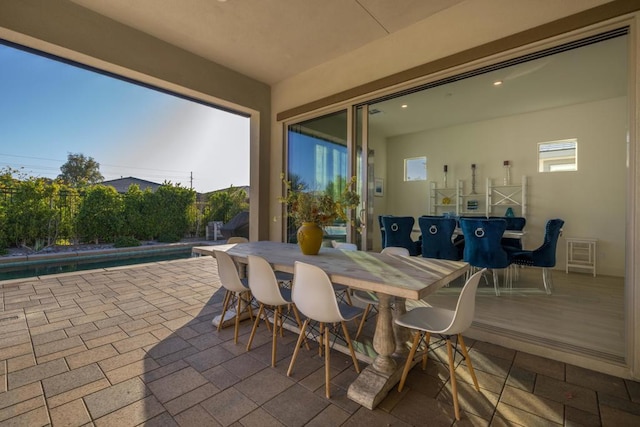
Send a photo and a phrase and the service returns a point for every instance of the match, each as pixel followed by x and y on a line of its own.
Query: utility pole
pixel 191 184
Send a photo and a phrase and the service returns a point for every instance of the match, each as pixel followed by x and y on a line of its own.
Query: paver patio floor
pixel 135 346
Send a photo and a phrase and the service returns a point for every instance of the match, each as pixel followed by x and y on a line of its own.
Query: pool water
pixel 69 265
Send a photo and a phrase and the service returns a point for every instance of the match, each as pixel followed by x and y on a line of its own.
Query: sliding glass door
pixel 318 160
pixel 470 127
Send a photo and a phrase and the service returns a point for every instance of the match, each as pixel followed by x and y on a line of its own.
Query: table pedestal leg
pixel 383 340
pixel 375 381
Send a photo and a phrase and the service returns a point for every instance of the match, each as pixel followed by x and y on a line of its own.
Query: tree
pixel 136 213
pixel 99 216
pixel 225 204
pixel 31 218
pixel 80 171
pixel 170 216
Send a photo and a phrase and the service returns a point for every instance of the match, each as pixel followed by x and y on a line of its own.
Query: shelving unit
pixel 467 202
pixel 442 199
pixel 512 196
pixel 495 201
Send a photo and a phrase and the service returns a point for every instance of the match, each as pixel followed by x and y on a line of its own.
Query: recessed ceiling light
pixel 404 106
pixel 497 83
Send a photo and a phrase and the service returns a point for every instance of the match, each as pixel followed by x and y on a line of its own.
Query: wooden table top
pixel 406 277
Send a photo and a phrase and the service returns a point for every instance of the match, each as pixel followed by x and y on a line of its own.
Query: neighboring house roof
pixel 122 184
pixel 242 187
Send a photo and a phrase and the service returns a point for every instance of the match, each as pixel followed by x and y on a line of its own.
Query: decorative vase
pixel 310 238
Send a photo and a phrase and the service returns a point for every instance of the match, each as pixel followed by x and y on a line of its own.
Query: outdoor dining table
pixel 388 275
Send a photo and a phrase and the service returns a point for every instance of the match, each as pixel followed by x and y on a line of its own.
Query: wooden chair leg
pixel 255 326
pixel 320 341
pixel 274 344
pixel 295 352
pixel 426 350
pixel 467 359
pixel 350 345
pixel 248 303
pixel 364 319
pixel 279 309
pixel 327 364
pixel 235 333
pixel 266 320
pixel 299 322
pixel 225 307
pixel 348 296
pixel 407 365
pixel 452 375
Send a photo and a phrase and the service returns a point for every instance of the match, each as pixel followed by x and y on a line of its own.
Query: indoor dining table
pixel 391 277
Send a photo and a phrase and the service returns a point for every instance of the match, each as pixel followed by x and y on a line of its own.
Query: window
pixel 415 169
pixel 558 156
pixel 317 161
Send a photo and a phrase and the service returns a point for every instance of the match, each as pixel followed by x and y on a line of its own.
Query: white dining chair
pixel 370 299
pixel 313 295
pixel 266 290
pixel 342 291
pixel 446 323
pixel 344 246
pixel 236 288
pixel 282 276
pixel 237 239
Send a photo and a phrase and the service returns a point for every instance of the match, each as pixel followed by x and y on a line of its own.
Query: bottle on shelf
pixel 507 172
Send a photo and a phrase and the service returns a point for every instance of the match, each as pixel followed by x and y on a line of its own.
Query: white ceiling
pixel 271 40
pixel 268 40
pixel 594 72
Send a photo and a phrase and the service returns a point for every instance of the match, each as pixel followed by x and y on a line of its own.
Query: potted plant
pixel 311 210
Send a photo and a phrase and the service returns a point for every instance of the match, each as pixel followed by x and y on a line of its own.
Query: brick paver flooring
pixel 135 345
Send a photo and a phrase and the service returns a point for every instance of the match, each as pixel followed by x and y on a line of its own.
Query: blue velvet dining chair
pixel 382 234
pixel 544 256
pixel 515 223
pixel 397 232
pixel 482 245
pixel 438 240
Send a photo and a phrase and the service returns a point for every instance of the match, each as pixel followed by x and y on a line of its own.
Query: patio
pixel 135 345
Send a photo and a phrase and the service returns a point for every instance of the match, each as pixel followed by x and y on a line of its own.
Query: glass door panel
pixel 318 161
pixel 365 175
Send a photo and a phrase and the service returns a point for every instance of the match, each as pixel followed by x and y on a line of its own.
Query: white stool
pixel 581 253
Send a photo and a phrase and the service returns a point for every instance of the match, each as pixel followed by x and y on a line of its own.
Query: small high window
pixel 415 169
pixel 558 156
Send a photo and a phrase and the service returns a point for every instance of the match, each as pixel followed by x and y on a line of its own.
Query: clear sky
pixel 49 109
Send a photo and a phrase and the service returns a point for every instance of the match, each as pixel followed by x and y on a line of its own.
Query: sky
pixel 49 109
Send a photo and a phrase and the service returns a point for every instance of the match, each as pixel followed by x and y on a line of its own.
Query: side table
pixel 581 253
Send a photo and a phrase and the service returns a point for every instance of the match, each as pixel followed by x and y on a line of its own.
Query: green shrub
pixel 169 212
pixel 126 242
pixel 100 215
pixel 169 238
pixel 30 218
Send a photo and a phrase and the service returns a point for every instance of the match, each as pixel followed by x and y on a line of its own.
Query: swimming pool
pixel 50 265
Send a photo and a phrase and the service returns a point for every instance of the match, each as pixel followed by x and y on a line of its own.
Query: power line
pixel 101 164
